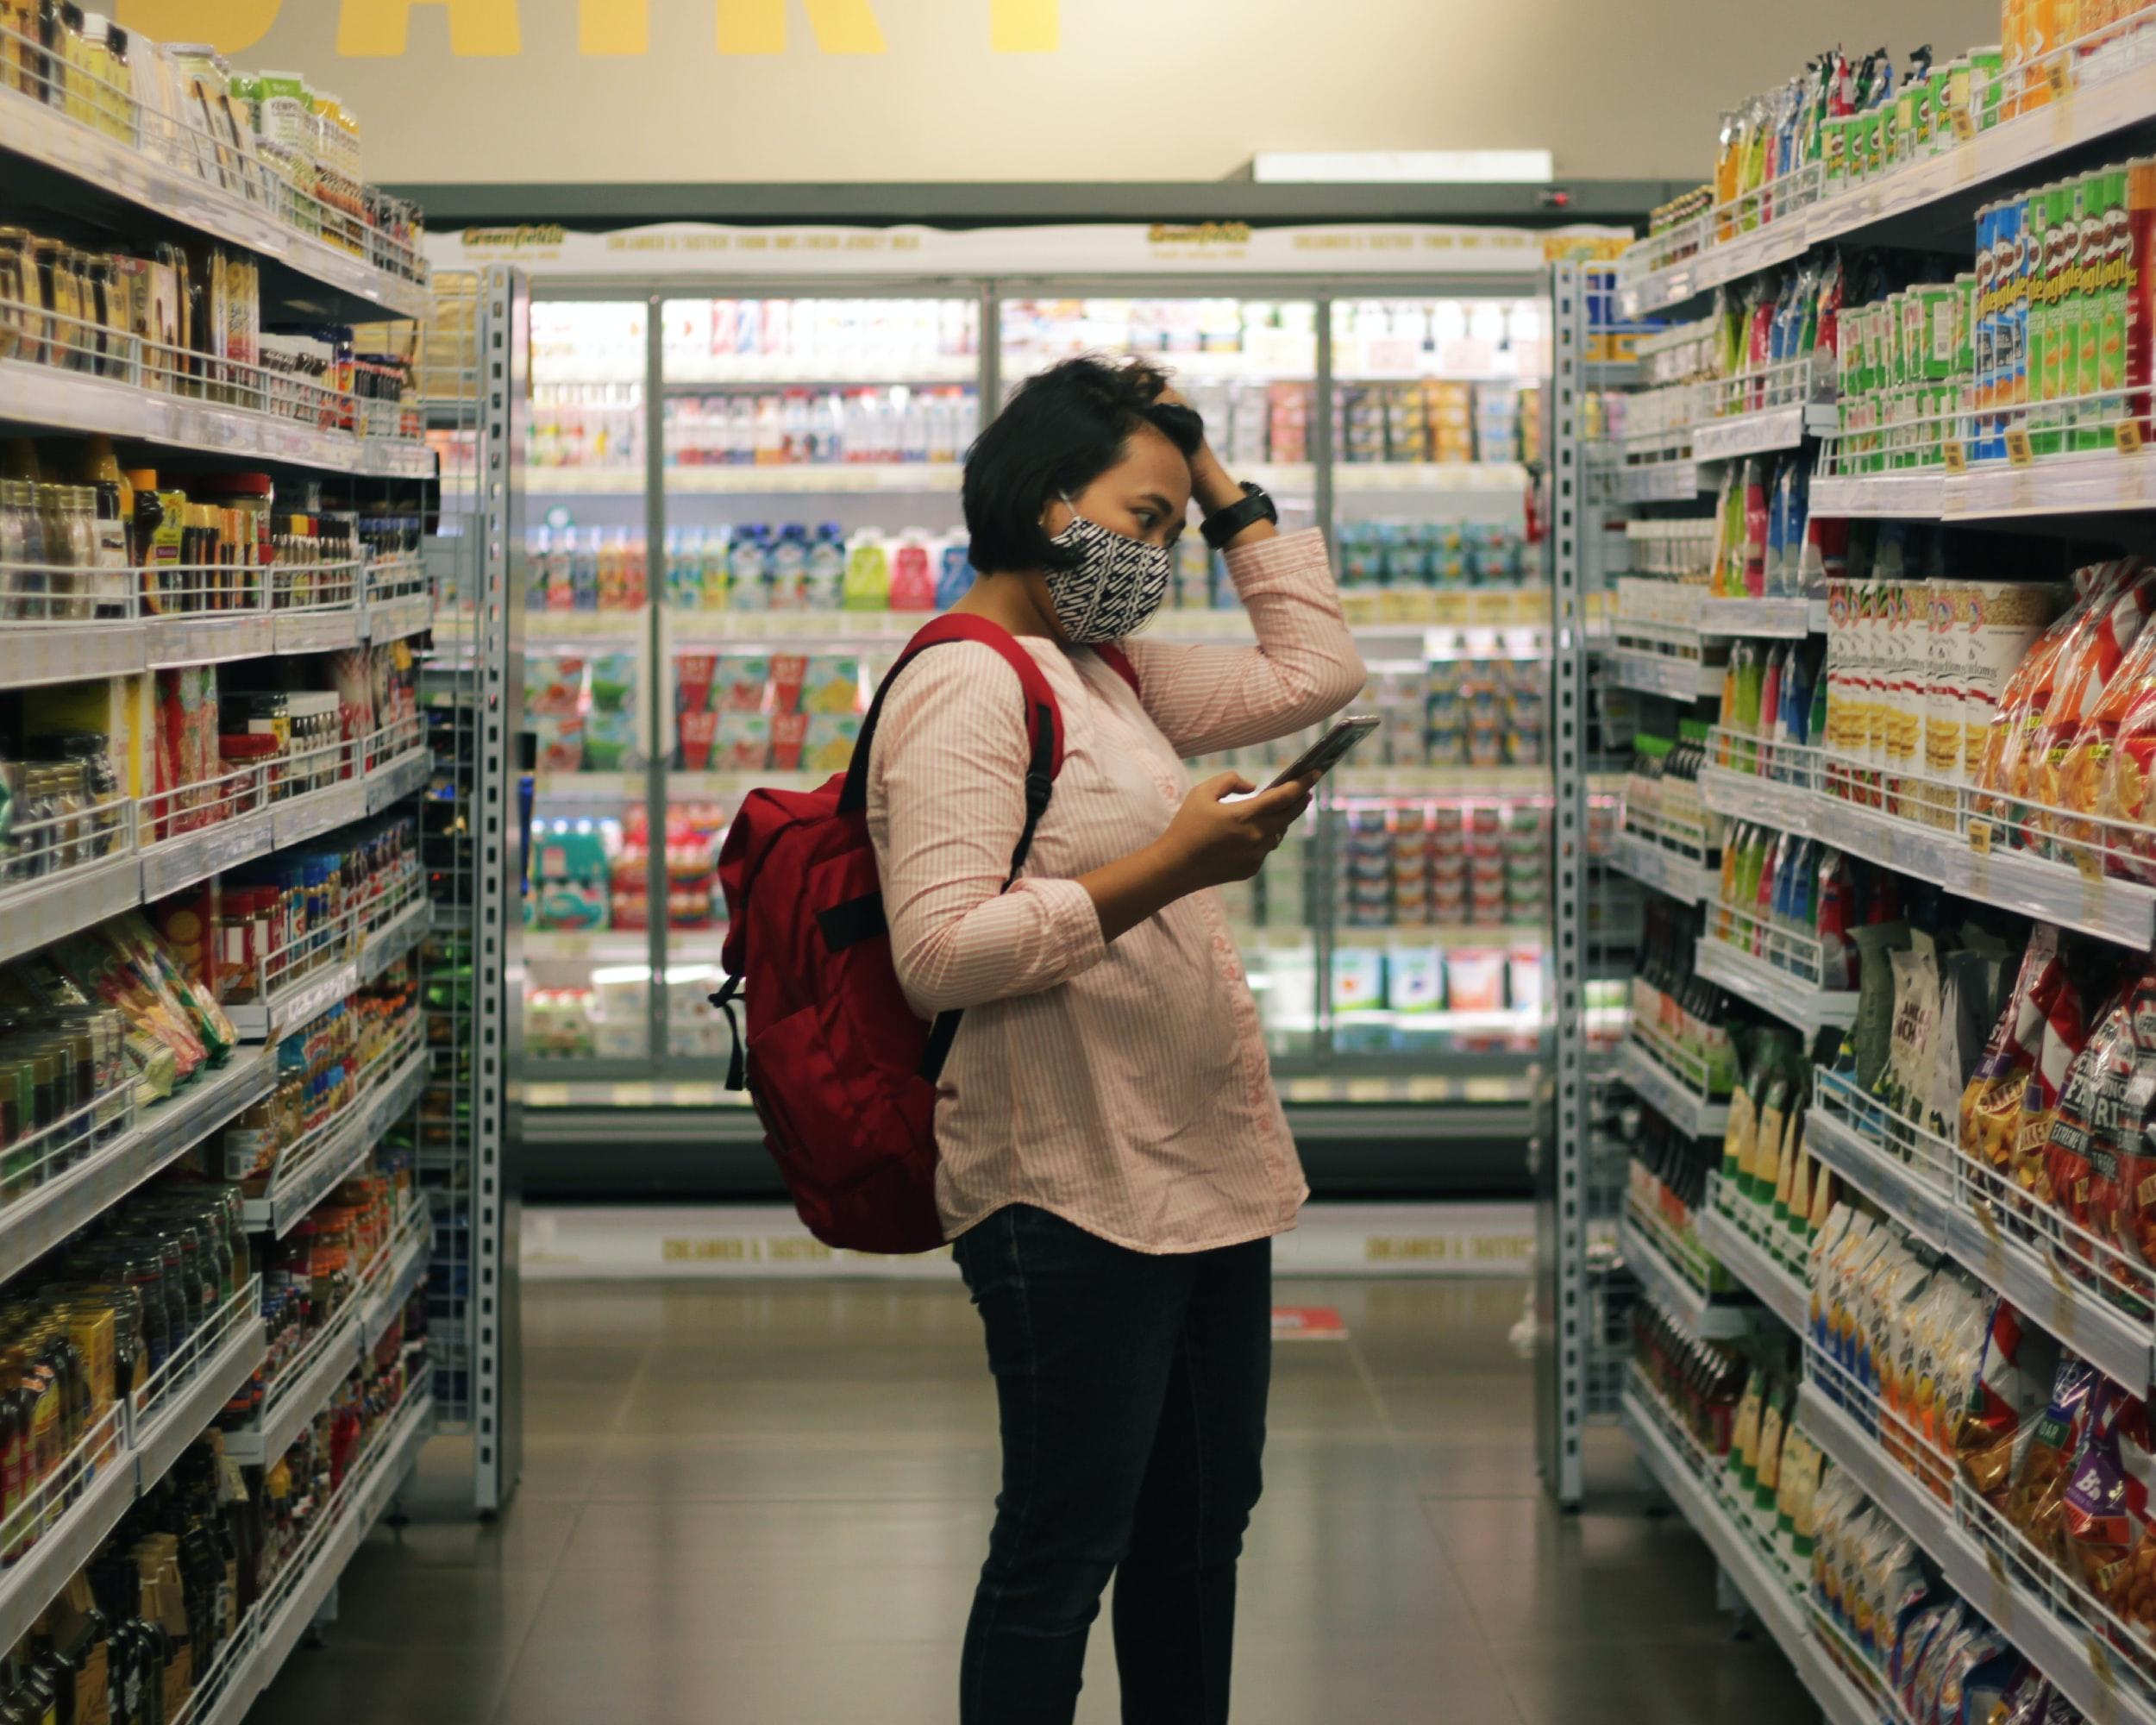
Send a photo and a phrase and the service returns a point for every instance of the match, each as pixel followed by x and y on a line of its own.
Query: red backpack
pixel 841 1072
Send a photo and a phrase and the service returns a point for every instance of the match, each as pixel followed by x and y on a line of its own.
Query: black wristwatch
pixel 1223 524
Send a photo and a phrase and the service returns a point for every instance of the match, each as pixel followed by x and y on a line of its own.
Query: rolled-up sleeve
pixel 1304 669
pixel 946 806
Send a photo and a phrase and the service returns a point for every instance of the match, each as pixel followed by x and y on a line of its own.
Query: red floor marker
pixel 1307 1324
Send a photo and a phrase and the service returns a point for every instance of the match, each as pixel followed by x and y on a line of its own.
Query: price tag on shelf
pixel 2127 434
pixel 1980 838
pixel 1955 455
pixel 2018 452
pixel 2106 1708
pixel 1985 1219
pixel 1963 121
pixel 1999 1607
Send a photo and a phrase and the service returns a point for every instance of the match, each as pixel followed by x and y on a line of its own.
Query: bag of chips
pixel 1991 1101
pixel 2084 672
pixel 2106 1509
pixel 2036 1505
pixel 2132 1223
pixel 2002 775
pixel 2081 1162
pixel 2015 1374
pixel 2084 769
pixel 1903 1082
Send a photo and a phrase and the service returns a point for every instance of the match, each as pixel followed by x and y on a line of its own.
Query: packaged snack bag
pixel 1870 1035
pixel 744 742
pixel 2036 1504
pixel 2013 1377
pixel 610 743
pixel 1967 983
pixel 789 734
pixel 830 744
pixel 1991 1101
pixel 560 741
pixel 2081 1163
pixel 2106 1509
pixel 782 689
pixel 2086 670
pixel 2066 1028
pixel 741 680
pixel 695 678
pixel 2132 1221
pixel 557 683
pixel 698 736
pixel 832 683
pixel 1998 771
pixel 1915 1023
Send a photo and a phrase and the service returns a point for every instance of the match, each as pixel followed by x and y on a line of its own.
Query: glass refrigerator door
pixel 1249 367
pixel 1439 830
pixel 811 450
pixel 587 674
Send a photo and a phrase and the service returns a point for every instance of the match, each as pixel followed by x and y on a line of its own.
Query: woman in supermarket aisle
pixel 1114 1158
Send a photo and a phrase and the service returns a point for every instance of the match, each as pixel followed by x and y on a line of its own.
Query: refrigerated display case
pixel 789 448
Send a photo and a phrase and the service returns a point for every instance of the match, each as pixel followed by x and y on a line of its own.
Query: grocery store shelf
pixel 108 167
pixel 1758 434
pixel 1911 496
pixel 583 481
pixel 231 1346
pixel 1772 989
pixel 567 625
pixel 1903 1191
pixel 1779 1289
pixel 124 1456
pixel 1662 674
pixel 297 1187
pixel 2068 485
pixel 34 654
pixel 2116 910
pixel 53 399
pixel 795 478
pixel 40 911
pixel 1788 808
pixel 1649 863
pixel 47 1214
pixel 197 640
pixel 1778 1608
pixel 2121 911
pixel 187 857
pixel 1671 1289
pixel 794 372
pixel 1683 1106
pixel 267 1638
pixel 2061 1650
pixel 2091 112
pixel 407 1250
pixel 79 1527
pixel 595 945
pixel 1785 619
pixel 1675 482
pixel 2121 1346
pixel 1355 478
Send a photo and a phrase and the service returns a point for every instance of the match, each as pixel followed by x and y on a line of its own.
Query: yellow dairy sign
pixel 379 30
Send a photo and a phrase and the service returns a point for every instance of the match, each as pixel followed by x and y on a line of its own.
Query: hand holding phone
pixel 1328 751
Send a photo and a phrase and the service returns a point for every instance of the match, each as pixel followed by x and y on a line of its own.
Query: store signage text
pixel 376 29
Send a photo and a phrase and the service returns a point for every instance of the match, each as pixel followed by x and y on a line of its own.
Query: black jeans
pixel 1132 1395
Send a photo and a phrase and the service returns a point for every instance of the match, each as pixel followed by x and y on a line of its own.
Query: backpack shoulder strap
pixel 1113 656
pixel 1043 718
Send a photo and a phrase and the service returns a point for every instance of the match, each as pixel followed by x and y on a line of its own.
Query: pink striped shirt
pixel 1124 1085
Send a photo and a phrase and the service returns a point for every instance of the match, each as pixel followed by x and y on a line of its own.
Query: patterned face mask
pixel 1117 585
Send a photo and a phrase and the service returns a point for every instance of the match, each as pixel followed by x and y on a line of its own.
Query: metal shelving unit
pixel 350 455
pixel 2084 1290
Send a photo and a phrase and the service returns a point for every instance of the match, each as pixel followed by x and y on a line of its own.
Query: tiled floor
pixel 767 1503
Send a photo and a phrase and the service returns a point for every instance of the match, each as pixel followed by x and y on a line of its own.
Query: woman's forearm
pixel 1215 491
pixel 1132 888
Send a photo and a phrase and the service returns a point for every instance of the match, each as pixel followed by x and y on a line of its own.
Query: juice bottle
pixel 913 579
pixel 868 584
pixel 825 575
pixel 788 573
pixel 746 586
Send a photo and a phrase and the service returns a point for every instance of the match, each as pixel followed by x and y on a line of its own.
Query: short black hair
pixel 1060 431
